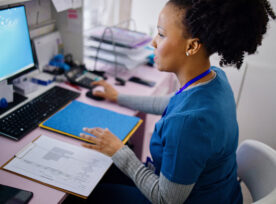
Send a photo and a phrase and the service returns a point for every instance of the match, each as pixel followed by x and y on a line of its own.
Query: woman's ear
pixel 193 46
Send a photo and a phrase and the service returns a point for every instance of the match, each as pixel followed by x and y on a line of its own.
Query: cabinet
pixel 7 2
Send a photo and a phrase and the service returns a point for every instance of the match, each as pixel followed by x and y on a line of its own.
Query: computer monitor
pixel 16 56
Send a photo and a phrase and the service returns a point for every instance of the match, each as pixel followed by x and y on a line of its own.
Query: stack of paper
pixel 112 45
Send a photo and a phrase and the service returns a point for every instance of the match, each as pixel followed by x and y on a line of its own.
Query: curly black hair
pixel 231 28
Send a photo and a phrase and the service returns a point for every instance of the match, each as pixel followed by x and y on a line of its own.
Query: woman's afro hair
pixel 231 28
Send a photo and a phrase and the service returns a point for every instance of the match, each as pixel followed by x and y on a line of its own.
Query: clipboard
pixel 24 151
pixel 71 119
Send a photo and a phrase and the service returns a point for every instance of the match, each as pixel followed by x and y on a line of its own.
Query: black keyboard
pixel 23 120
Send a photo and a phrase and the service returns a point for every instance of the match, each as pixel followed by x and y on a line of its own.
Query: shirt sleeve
pixel 158 189
pixel 187 147
pixel 147 104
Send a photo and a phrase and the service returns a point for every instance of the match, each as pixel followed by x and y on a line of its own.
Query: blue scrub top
pixel 196 142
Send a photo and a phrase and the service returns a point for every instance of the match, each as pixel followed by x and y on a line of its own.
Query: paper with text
pixel 70 167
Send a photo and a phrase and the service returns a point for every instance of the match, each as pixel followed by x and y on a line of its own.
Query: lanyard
pixel 188 84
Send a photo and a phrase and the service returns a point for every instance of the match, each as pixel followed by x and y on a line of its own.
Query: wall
pixel 105 12
pixel 266 52
pixel 145 13
pixel 256 109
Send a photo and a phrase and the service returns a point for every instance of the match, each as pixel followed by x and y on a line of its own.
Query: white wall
pixel 267 51
pixel 256 110
pixel 145 13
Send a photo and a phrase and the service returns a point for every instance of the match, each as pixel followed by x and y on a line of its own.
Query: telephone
pixel 81 77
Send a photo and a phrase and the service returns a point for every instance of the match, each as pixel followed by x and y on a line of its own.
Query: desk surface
pixel 8 148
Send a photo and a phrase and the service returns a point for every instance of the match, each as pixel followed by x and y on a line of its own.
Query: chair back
pixel 257 168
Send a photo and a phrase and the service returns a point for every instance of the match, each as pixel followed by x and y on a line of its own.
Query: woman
pixel 194 143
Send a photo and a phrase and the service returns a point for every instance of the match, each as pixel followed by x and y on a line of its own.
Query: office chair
pixel 257 169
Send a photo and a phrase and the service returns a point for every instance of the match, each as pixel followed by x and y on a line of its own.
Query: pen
pixel 73 85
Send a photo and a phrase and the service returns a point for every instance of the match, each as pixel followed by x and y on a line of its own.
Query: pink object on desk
pixel 44 194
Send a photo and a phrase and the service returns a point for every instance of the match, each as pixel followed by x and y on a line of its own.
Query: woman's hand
pixel 109 93
pixel 104 141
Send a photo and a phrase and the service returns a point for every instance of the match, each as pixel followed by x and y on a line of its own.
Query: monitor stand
pixel 17 98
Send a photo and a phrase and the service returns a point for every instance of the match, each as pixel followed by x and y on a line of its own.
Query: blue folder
pixel 74 117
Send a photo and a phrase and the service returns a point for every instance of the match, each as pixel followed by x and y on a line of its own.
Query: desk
pixel 44 194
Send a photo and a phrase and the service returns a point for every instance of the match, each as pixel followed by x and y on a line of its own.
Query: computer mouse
pixel 89 94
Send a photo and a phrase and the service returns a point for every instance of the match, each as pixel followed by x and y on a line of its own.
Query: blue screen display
pixel 15 47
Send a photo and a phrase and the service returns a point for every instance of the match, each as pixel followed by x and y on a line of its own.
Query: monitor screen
pixel 15 45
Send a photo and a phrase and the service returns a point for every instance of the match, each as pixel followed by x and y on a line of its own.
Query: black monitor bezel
pixel 11 78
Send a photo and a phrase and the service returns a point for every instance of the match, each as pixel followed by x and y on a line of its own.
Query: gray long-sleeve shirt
pixel 147 104
pixel 158 189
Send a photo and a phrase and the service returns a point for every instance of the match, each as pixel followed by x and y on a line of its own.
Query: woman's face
pixel 170 44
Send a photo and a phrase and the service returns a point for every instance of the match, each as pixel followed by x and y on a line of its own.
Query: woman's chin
pixel 161 69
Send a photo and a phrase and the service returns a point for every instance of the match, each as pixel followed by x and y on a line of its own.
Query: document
pixel 124 60
pixel 107 46
pixel 73 169
pixel 76 4
pixel 62 5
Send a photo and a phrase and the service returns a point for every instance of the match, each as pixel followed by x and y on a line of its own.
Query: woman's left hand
pixel 104 141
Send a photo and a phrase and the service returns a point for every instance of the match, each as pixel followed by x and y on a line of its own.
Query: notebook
pixel 73 118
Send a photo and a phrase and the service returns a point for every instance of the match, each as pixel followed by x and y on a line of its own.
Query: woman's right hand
pixel 109 93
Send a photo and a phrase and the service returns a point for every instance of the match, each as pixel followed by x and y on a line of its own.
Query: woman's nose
pixel 153 42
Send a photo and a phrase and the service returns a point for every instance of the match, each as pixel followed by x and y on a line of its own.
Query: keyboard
pixel 23 120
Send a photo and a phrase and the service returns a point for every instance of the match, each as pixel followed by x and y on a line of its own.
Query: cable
pixel 119 80
pixel 114 49
pixel 242 84
pixel 37 13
